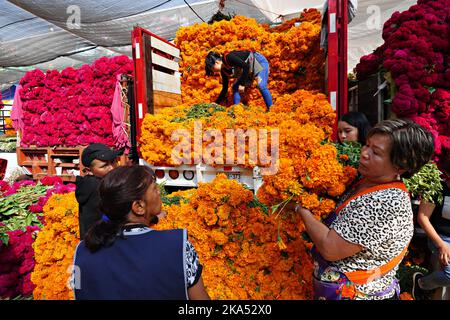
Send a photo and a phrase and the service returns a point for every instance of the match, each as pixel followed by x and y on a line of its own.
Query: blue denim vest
pixel 147 264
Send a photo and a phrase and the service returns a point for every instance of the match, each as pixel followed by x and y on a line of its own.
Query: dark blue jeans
pixel 262 78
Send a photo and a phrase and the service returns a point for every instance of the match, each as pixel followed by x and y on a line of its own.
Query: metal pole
pixel 134 156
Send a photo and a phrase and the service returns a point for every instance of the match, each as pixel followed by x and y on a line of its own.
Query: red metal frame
pixel 337 58
pixel 140 71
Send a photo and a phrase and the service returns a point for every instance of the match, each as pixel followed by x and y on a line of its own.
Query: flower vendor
pixel 142 263
pixel 98 160
pixel 358 247
pixel 353 126
pixel 243 64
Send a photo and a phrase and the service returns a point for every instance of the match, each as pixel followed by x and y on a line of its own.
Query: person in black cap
pixel 97 159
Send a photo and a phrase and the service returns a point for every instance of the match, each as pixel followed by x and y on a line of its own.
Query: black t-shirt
pixel 441 224
pixel 86 193
pixel 232 61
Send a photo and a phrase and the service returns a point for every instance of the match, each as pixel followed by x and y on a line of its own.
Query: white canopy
pixel 56 34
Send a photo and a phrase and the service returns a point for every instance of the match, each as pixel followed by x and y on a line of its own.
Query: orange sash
pixel 363 276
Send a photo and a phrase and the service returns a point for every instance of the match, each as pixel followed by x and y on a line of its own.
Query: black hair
pixel 359 121
pixel 210 61
pixel 118 190
pixel 412 146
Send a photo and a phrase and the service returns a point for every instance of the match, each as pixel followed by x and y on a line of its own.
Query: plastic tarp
pixel 56 34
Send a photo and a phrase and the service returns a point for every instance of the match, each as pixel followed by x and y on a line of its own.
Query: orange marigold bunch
pixel 238 246
pixel 161 135
pixel 54 248
pixel 309 171
pixel 9 127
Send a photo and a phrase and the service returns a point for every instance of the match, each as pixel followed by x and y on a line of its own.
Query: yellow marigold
pixel 54 248
pixel 241 259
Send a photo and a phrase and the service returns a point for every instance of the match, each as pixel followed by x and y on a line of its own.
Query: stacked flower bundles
pixel 415 54
pixel 248 250
pixel 236 240
pixel 71 107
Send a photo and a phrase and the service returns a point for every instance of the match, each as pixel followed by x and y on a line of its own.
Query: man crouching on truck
pixel 245 66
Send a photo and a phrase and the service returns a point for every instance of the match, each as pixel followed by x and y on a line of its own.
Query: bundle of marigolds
pixel 237 242
pixel 54 248
pixel 296 60
pixel 309 170
pixel 306 165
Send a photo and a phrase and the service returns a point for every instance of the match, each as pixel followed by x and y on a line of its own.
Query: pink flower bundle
pixel 369 64
pixel 9 190
pixel 71 107
pixel 4 186
pixel 17 263
pixel 415 53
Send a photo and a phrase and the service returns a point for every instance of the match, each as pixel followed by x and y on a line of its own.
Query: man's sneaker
pixel 417 292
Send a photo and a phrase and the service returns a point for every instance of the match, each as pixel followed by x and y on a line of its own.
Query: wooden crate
pixel 163 78
pixel 47 161
pixel 34 159
pixel 64 162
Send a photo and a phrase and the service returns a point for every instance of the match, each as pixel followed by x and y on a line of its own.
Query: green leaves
pixel 426 184
pixel 201 110
pixel 17 203
pixel 13 210
pixel 173 200
pixel 348 153
pixel 256 203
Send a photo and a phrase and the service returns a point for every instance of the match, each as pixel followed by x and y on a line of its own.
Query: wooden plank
pixel 164 47
pixel 166 82
pixel 164 62
pixel 148 73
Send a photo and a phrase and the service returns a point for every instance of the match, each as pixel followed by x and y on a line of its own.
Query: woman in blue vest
pixel 124 258
pixel 243 65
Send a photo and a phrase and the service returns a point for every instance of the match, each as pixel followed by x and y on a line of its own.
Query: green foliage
pixel 256 203
pixel 349 149
pixel 173 200
pixel 167 199
pixel 426 184
pixel 13 210
pixel 17 203
pixel 201 110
